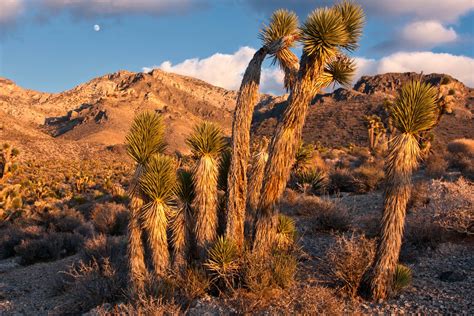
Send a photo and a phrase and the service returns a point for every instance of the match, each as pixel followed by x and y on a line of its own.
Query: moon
pixel 97 27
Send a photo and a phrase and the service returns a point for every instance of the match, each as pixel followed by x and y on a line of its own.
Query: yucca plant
pixel 415 111
pixel 286 232
pixel 278 37
pixel 158 183
pixel 222 261
pixel 145 138
pixel 401 278
pixel 206 143
pixel 326 32
pixel 311 180
pixel 303 156
pixel 182 222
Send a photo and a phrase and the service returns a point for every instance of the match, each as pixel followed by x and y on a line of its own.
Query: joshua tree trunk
pixel 156 224
pixel 205 203
pixel 282 151
pixel 136 255
pixel 246 101
pixel 182 237
pixel 402 159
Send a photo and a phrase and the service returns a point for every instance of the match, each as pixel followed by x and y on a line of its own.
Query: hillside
pixel 100 111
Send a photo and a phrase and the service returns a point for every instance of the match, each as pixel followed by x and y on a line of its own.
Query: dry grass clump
pixel 343 180
pixel 463 146
pixel 147 306
pixel 260 274
pixel 347 261
pixel 110 218
pixel 318 301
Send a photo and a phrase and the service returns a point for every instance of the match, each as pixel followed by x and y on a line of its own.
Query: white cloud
pixel 225 70
pixel 427 34
pixel 460 67
pixel 10 10
pixel 117 7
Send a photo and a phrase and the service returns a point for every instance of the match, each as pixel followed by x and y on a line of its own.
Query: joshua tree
pixel 206 143
pixel 158 184
pixel 324 34
pixel 278 37
pixel 375 129
pixel 182 225
pixel 7 156
pixel 414 112
pixel 146 138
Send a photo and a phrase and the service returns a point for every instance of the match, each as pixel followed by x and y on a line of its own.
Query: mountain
pixel 337 118
pixel 98 113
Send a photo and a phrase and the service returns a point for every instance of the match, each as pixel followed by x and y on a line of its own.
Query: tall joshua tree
pixel 182 225
pixel 278 37
pixel 206 143
pixel 324 34
pixel 158 184
pixel 145 139
pixel 414 112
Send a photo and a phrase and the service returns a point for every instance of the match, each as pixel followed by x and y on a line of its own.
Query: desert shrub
pixel 101 276
pixel 10 237
pixel 342 180
pixel 329 215
pixel 419 196
pixel 402 278
pixel 147 306
pixel 361 154
pixel 52 247
pixel 436 166
pixel 62 220
pixel 110 218
pixel 462 156
pixel 368 176
pixel 347 261
pixel 261 273
pixel 423 234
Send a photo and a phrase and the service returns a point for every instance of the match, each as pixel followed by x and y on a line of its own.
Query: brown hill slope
pixel 337 118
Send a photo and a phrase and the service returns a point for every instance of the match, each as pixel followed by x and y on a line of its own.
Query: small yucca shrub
pixel 311 180
pixel 284 269
pixel 402 278
pixel 222 261
pixel 286 231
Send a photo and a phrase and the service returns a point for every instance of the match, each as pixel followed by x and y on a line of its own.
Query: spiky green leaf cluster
pixel 283 24
pixel 207 140
pixel 416 109
pixel 286 226
pixel 158 181
pixel 146 137
pixel 402 277
pixel 327 30
pixel 340 70
pixel 354 17
pixel 303 156
pixel 223 257
pixel 316 179
pixel 323 32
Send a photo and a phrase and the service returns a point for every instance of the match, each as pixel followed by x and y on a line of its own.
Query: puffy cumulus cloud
pixel 427 34
pixel 10 10
pixel 225 70
pixel 119 7
pixel 460 67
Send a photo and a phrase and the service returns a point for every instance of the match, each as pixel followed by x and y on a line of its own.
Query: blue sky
pixel 51 45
